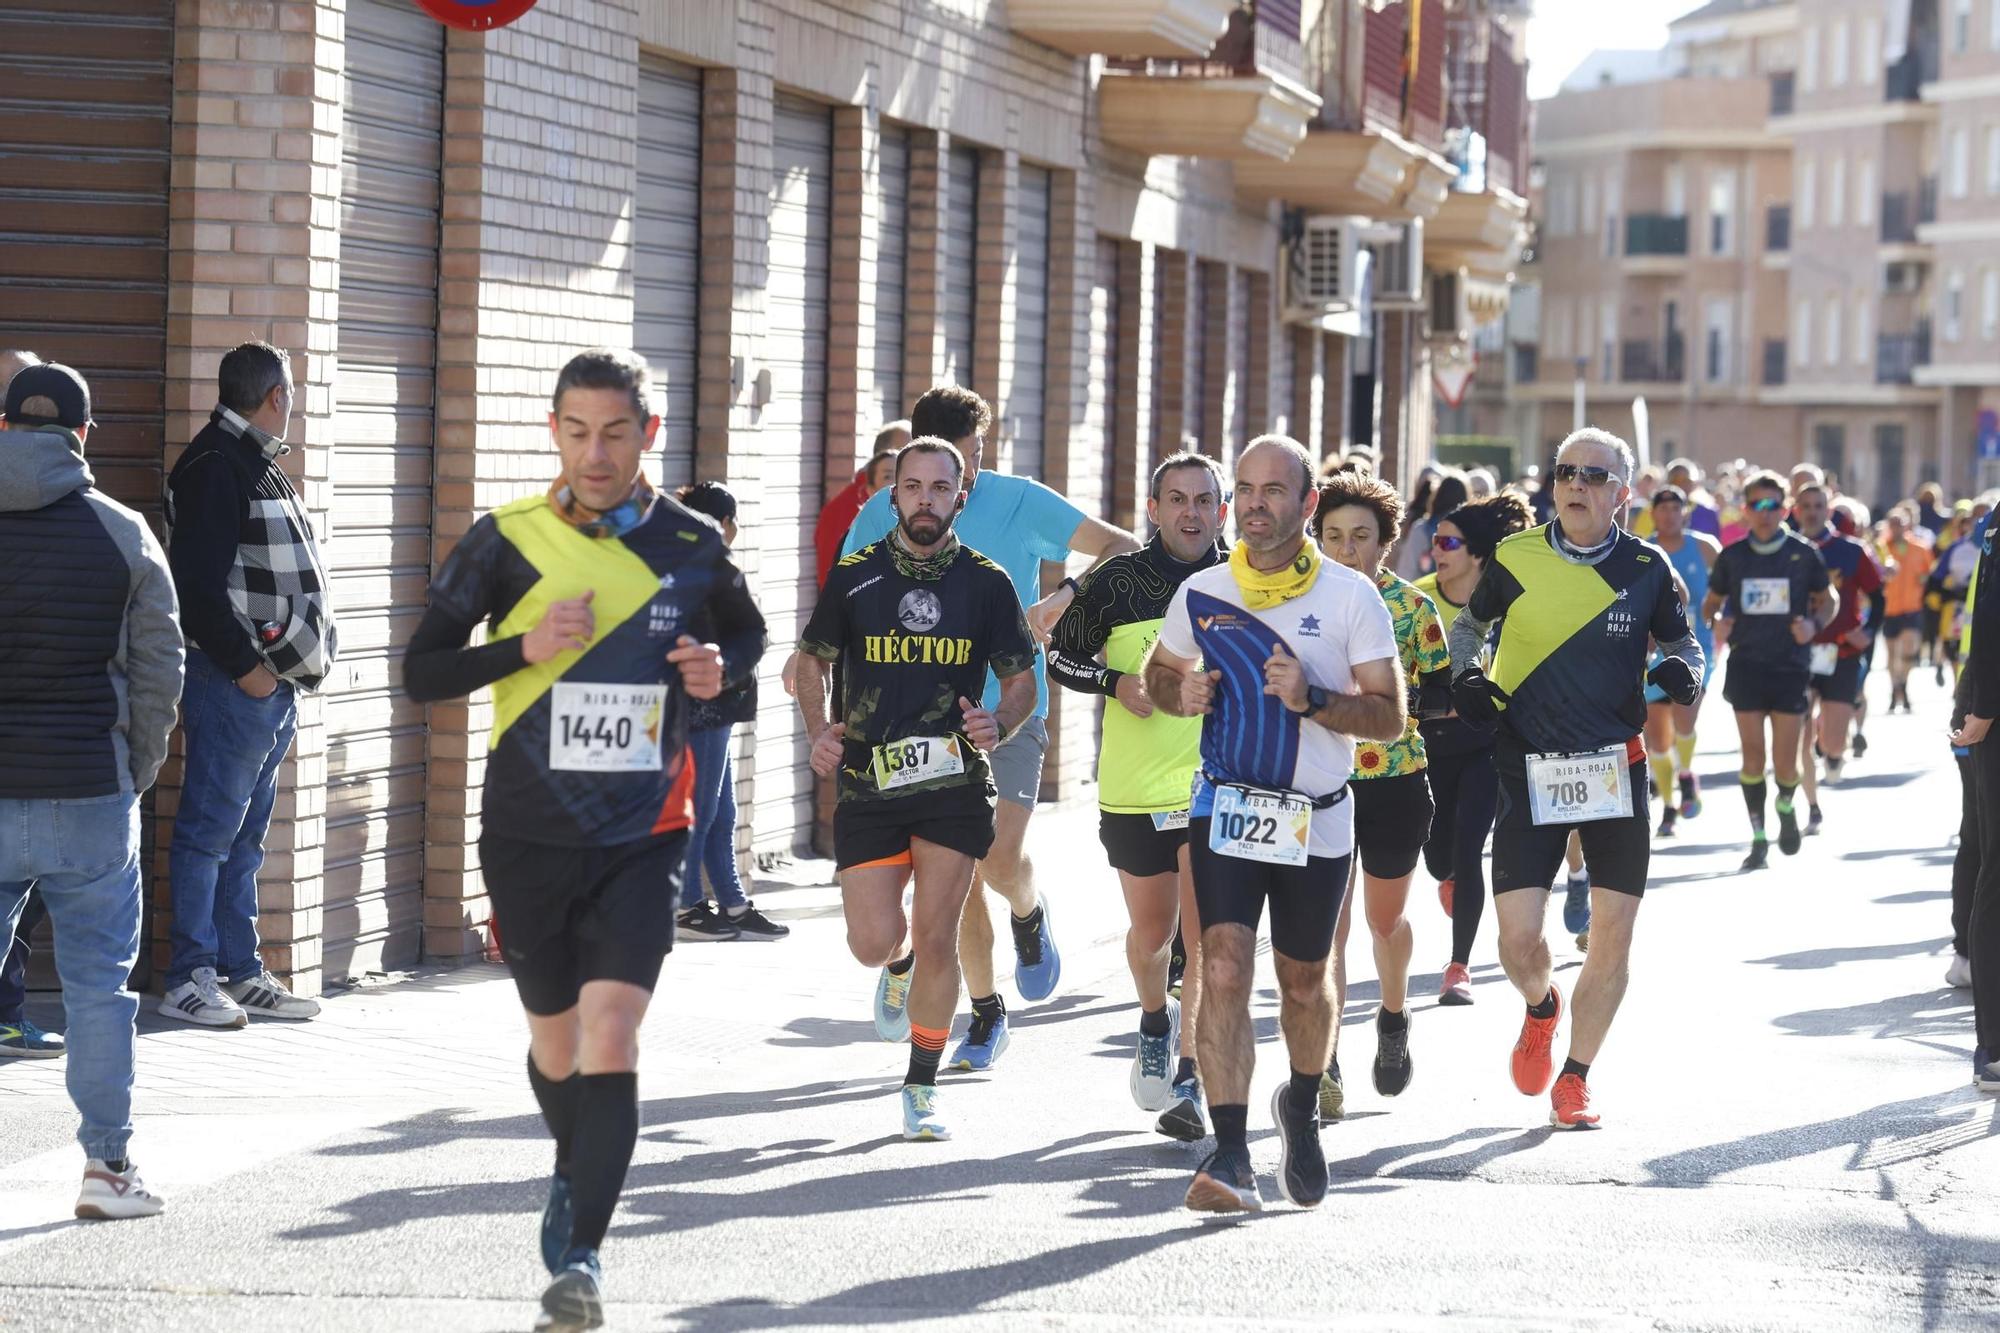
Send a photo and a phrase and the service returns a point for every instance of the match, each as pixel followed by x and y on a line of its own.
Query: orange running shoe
pixel 1570 1104
pixel 1446 888
pixel 1533 1064
pixel 1456 988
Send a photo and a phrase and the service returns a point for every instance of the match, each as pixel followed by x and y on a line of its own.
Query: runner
pixel 1908 560
pixel 914 622
pixel 1356 521
pixel 1297 655
pixel 608 607
pixel 1836 661
pixel 1772 591
pixel 1018 523
pixel 1977 703
pixel 1670 726
pixel 1145 768
pixel 1580 598
pixel 1463 783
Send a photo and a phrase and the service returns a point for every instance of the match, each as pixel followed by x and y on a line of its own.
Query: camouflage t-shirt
pixel 1420 643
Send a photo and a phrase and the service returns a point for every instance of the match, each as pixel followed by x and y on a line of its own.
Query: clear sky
pixel 1563 32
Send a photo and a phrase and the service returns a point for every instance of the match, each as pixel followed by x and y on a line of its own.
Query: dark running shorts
pixel 1754 687
pixel 567 915
pixel 1392 822
pixel 1527 855
pixel 1896 626
pixel 868 832
pixel 1305 900
pixel 1843 685
pixel 1136 847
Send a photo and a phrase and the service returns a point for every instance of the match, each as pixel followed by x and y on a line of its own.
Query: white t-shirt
pixel 1339 622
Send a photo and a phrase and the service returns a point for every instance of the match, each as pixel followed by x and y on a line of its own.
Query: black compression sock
pixel 1154 1022
pixel 1577 1067
pixel 1305 1092
pixel 1786 791
pixel 989 1007
pixel 1396 1022
pixel 1232 1125
pixel 1026 926
pixel 1547 1008
pixel 1753 800
pixel 607 1122
pixel 923 1065
pixel 558 1100
pixel 1186 1069
pixel 901 967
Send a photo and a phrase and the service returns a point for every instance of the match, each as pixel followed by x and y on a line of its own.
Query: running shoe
pixel 1985 1072
pixel 703 922
pixel 1332 1097
pixel 1958 972
pixel 1789 837
pixel 1576 905
pixel 1830 772
pixel 25 1041
pixel 1759 857
pixel 1532 1065
pixel 1861 741
pixel 1176 966
pixel 1569 1104
pixel 1690 796
pixel 557 1215
pixel 1301 1161
pixel 892 998
pixel 920 1113
pixel 1667 816
pixel 752 924
pixel 199 1000
pixel 1153 1063
pixel 265 996
pixel 1393 1066
pixel 1225 1183
pixel 1937 674
pixel 1583 941
pixel 985 1041
pixel 111 1196
pixel 1184 1119
pixel 1037 961
pixel 575 1300
pixel 1447 890
pixel 1813 821
pixel 1456 988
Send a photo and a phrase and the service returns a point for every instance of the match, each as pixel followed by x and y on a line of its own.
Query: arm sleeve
pixel 209 508
pixel 1176 630
pixel 1670 628
pixel 154 661
pixel 872 524
pixel 739 626
pixel 1048 521
pixel 1078 638
pixel 1491 596
pixel 437 664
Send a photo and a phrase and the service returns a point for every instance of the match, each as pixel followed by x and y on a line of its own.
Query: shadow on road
pixel 1915 896
pixel 1931 1013
pixel 1880 1136
pixel 1810 959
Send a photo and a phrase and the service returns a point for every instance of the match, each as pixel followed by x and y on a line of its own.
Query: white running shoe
pixel 264 994
pixel 199 1000
pixel 1154 1062
pixel 110 1196
pixel 1959 972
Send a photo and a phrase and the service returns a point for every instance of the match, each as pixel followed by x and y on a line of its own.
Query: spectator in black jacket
pixel 1977 704
pixel 90 670
pixel 253 596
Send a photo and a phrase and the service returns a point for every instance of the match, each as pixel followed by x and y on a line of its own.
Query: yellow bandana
pixel 1262 590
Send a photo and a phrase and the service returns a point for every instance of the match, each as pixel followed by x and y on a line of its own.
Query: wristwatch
pixel 1316 699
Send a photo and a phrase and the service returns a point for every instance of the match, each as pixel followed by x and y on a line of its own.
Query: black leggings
pixel 1467 791
pixel 1965 865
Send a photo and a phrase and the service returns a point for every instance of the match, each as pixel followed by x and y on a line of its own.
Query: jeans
pixel 234 746
pixel 14 961
pixel 83 858
pixel 712 840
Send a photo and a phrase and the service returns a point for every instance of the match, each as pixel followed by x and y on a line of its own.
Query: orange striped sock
pixel 926 1049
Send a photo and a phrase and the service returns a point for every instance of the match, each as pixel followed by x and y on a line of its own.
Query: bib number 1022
pixel 598 732
pixel 1237 826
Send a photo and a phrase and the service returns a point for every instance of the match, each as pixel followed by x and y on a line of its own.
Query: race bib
pixel 1579 788
pixel 1825 658
pixel 1267 826
pixel 1163 820
pixel 917 759
pixel 606 728
pixel 1766 597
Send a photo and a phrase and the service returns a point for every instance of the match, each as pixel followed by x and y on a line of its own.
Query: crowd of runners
pixel 1310 688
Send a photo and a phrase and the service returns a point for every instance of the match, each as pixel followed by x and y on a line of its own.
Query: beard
pixel 924 529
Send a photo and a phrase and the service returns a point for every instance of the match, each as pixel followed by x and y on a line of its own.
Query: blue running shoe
pixel 1153 1063
pixel 1037 961
pixel 575 1300
pixel 920 1113
pixel 25 1041
pixel 892 998
pixel 1985 1071
pixel 1183 1118
pixel 556 1216
pixel 1576 907
pixel 983 1044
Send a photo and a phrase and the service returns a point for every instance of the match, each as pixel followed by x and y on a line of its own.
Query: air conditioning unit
pixel 1325 267
pixel 1450 307
pixel 1903 279
pixel 1398 248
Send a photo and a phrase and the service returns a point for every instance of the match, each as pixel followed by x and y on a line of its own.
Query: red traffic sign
pixel 476 15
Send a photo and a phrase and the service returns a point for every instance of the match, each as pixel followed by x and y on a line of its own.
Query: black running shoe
pixel 1860 745
pixel 1789 837
pixel 1667 818
pixel 1393 1066
pixel 1813 821
pixel 703 922
pixel 752 924
pixel 1760 856
pixel 1225 1183
pixel 1301 1162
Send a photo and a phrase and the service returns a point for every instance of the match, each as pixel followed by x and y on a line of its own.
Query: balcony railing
pixel 1778 227
pixel 1903 211
pixel 1262 37
pixel 1905 79
pixel 1897 355
pixel 1774 361
pixel 1783 96
pixel 1656 234
pixel 1646 362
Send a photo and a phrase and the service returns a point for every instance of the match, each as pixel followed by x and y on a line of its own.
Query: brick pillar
pixel 253 252
pixel 1267 343
pixel 540 153
pixel 1393 390
pixel 857 212
pixel 997 287
pixel 1131 380
pixel 1336 385
pixel 1308 354
pixel 1213 396
pixel 923 294
pixel 1171 396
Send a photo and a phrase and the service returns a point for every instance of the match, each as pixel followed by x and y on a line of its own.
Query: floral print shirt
pixel 1420 642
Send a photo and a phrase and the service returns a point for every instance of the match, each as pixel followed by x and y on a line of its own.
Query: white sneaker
pixel 1154 1062
pixel 111 1195
pixel 200 1000
pixel 265 995
pixel 1959 973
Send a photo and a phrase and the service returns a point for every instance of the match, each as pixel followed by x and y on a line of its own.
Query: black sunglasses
pixel 1589 476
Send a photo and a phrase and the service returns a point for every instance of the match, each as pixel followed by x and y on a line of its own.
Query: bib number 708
pixel 1569 793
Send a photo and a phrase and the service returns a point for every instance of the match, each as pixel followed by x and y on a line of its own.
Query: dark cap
pixel 48 395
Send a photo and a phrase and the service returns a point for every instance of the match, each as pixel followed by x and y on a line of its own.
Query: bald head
pixel 13 363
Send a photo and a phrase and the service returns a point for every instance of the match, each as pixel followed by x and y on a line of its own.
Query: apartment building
pixel 802 212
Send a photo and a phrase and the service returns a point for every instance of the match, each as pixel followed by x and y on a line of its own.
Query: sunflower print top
pixel 1420 642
